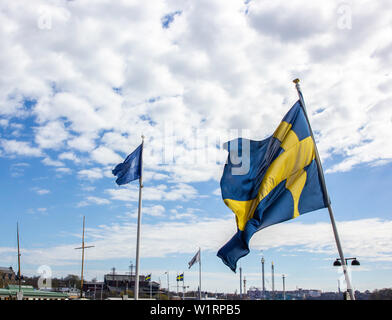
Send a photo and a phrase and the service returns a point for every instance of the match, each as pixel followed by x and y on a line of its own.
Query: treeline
pixel 382 294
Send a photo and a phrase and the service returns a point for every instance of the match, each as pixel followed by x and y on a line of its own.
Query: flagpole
pixel 81 275
pixel 19 279
pixel 326 196
pixel 150 289
pixel 183 286
pixel 139 216
pixel 199 273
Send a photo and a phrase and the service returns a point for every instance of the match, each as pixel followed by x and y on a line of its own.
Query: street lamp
pixel 354 262
pixel 168 286
pixel 338 263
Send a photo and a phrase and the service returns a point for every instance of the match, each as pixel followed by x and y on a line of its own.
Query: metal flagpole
pixel 19 279
pixel 262 272
pixel 326 196
pixel 168 286
pixel 177 283
pixel 183 286
pixel 199 273
pixel 151 289
pixel 159 290
pixel 273 280
pixel 139 217
pixel 240 283
pixel 81 277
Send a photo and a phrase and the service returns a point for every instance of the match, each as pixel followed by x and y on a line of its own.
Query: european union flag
pixel 130 169
pixel 281 181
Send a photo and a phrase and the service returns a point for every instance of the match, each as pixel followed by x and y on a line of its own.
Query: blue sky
pixel 77 93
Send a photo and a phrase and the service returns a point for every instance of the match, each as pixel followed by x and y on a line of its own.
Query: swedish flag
pixel 281 183
pixel 148 277
pixel 180 277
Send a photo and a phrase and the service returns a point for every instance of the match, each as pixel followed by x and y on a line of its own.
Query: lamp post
pixel 262 275
pixel 338 263
pixel 273 280
pixel 168 286
pixel 240 283
pixel 354 262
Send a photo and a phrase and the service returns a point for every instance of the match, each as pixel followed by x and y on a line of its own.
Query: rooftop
pixel 6 270
pixel 11 290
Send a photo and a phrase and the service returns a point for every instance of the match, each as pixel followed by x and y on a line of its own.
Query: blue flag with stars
pixel 131 168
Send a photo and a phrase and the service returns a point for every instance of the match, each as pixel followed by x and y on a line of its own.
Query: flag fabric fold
pixel 282 182
pixel 130 169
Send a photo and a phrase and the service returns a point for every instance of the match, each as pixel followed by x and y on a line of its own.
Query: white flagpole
pixel 177 283
pixel 139 218
pixel 324 187
pixel 183 286
pixel 199 273
pixel 150 288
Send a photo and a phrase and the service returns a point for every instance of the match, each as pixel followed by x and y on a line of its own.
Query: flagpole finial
pixel 296 80
pixel 142 136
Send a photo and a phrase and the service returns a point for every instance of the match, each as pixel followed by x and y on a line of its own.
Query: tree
pixel 382 294
pixel 72 280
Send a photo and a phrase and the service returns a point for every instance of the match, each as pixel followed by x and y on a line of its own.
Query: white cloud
pixel 50 162
pixel 93 200
pixel 41 191
pixel 69 156
pixel 219 65
pixel 51 135
pixel 153 211
pixel 17 169
pixel 217 192
pixel 83 142
pixel 161 192
pixel 63 170
pixel 21 148
pixel 105 156
pixel 93 173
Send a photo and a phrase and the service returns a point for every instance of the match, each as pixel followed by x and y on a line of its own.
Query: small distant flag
pixel 180 277
pixel 282 182
pixel 195 259
pixel 148 277
pixel 131 168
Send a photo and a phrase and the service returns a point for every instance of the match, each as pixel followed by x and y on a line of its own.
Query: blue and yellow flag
pixel 280 183
pixel 180 277
pixel 148 277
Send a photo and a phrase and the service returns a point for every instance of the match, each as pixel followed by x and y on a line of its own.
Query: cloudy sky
pixel 81 81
